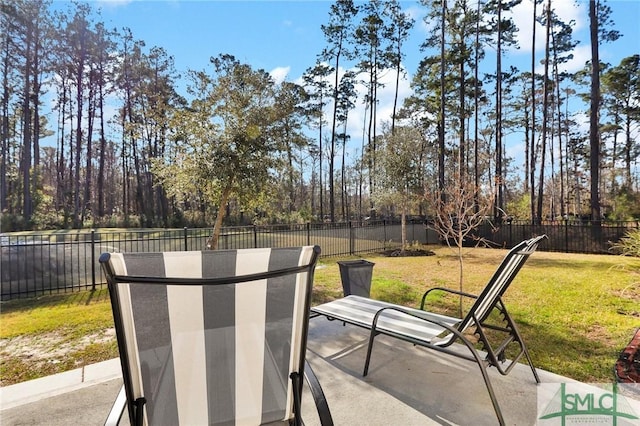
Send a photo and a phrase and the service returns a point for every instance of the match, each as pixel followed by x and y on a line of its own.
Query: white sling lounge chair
pixel 439 332
pixel 213 337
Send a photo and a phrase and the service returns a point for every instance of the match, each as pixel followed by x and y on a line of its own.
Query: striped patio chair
pixel 213 337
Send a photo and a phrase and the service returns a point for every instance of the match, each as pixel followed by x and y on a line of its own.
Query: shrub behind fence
pixel 57 262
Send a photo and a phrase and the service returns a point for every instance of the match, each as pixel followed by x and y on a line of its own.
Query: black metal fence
pixel 45 263
pixel 564 236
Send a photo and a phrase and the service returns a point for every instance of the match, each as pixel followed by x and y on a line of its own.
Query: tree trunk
pixel 27 206
pixel 345 215
pixel 396 89
pixel 102 153
pixel 476 114
pixel 5 123
pixel 532 150
pixel 91 113
pixel 545 112
pixel 79 104
pixel 332 147
pixel 320 189
pixel 462 150
pixel 441 145
pixel 561 158
pixel 35 91
pixel 60 166
pixel 212 243
pixel 499 204
pixel 594 114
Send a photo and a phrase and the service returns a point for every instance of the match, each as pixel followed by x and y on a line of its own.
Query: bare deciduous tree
pixel 457 216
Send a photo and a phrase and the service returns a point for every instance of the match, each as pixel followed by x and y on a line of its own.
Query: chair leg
pixel 318 396
pixel 372 336
pixel 139 410
pixel 492 395
pixel 117 409
pixel 297 394
pixel 485 374
pixel 518 336
pixel 533 369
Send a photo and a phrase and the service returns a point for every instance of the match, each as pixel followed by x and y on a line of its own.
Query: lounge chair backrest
pixel 211 337
pixel 500 281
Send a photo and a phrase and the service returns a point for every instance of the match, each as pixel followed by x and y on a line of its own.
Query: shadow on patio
pixel 411 385
pixel 406 385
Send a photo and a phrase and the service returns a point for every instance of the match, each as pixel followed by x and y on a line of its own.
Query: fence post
pixel 426 232
pixel 255 236
pixel 352 242
pixel 93 260
pixel 186 247
pixel 308 233
pixel 566 236
pixel 384 228
pixel 413 230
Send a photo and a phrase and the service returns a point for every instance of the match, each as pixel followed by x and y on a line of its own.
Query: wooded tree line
pixel 238 147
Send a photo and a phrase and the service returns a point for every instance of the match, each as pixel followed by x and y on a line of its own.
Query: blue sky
pixel 270 35
pixel 285 37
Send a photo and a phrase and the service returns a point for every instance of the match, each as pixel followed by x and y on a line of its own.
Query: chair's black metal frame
pixel 478 316
pixel 135 407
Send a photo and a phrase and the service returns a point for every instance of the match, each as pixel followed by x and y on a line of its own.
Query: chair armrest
pixel 318 396
pixel 448 290
pixel 117 409
pixel 440 346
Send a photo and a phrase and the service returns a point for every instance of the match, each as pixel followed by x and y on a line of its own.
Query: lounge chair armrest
pixel 457 334
pixel 448 290
pixel 117 409
pixel 318 396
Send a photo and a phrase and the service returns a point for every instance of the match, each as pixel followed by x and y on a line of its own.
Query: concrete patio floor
pixel 406 385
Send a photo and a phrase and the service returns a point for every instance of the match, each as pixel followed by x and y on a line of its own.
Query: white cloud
pixel 417 13
pixel 581 54
pixel 279 74
pixel 566 10
pixel 113 3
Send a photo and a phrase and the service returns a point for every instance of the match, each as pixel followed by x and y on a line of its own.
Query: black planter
pixel 356 277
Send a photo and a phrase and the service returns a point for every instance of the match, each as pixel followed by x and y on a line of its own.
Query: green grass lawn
pixel 576 312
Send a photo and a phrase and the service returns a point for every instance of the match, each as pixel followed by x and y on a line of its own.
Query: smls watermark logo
pixel 582 404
